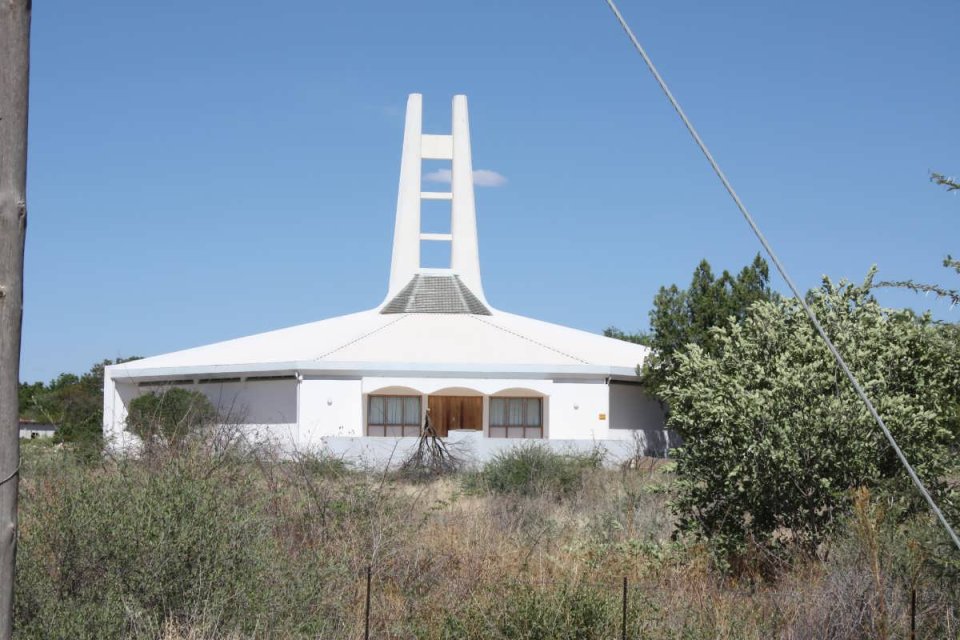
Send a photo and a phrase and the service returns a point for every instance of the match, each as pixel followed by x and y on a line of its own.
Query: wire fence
pixel 626 592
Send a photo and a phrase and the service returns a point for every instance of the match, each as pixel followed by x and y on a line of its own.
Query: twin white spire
pixel 407 235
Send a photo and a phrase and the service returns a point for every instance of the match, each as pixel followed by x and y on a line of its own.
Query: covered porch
pixel 402 411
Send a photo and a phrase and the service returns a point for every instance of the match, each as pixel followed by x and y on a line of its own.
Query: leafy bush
pixel 194 542
pixel 533 469
pixel 557 612
pixel 322 465
pixel 73 403
pixel 775 438
pixel 104 555
pixel 169 415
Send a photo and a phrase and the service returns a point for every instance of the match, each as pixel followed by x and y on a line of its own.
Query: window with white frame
pixel 393 416
pixel 516 417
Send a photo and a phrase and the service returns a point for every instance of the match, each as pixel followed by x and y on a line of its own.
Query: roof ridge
pixel 417 283
pixel 459 290
pixel 362 336
pixel 529 339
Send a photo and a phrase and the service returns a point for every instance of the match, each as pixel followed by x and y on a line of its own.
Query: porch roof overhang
pixel 129 372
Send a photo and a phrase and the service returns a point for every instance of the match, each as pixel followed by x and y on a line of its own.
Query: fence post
pixel 913 613
pixel 366 615
pixel 623 622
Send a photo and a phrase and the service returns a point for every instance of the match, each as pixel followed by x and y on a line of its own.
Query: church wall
pixel 116 397
pixel 254 402
pixel 636 416
pixel 263 409
pixel 632 408
pixel 306 414
pixel 578 411
pixel 329 408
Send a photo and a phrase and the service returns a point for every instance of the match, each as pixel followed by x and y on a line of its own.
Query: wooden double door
pixel 455 412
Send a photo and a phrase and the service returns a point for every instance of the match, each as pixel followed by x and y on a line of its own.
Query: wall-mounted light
pixel 576 406
pixel 329 401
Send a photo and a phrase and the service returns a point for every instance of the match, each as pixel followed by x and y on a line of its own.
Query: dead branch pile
pixel 432 457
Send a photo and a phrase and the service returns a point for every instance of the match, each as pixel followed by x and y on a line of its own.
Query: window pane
pixel 376 431
pixel 394 431
pixel 498 411
pixel 411 410
pixel 394 410
pixel 515 416
pixel 534 432
pixel 514 432
pixel 411 431
pixel 533 412
pixel 498 432
pixel 376 415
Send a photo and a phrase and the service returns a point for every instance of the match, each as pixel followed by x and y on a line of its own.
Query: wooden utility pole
pixel 14 84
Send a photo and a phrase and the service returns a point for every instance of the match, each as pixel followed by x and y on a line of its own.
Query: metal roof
pixel 426 342
pixel 435 294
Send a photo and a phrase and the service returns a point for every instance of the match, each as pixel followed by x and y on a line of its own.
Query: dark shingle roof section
pixel 436 294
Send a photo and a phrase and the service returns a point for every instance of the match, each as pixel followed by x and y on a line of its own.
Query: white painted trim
pixel 593 373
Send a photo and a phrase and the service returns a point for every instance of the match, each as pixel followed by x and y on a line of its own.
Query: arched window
pixel 393 416
pixel 516 417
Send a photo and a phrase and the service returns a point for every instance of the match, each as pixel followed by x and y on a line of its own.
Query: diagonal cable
pixel 783 272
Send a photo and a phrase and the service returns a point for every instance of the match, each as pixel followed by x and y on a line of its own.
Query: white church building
pixel 366 380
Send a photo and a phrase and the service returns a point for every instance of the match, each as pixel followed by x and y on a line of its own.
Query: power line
pixel 783 272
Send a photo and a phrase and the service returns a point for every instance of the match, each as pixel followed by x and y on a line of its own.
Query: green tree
pixel 681 317
pixel 774 436
pixel 26 399
pixel 169 415
pixel 73 403
pixel 640 337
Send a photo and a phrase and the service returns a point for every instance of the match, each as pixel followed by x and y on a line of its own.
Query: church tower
pixel 457 289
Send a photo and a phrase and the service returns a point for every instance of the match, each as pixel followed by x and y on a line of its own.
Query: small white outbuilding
pixel 433 343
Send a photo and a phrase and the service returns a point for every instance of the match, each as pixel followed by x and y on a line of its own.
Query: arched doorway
pixel 455 408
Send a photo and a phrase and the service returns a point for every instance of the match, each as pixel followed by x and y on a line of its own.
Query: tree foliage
pixel 775 437
pixel 640 337
pixel 940 291
pixel 74 404
pixel 949 183
pixel 169 415
pixel 682 317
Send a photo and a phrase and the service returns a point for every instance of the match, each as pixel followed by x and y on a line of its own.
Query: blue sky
pixel 206 170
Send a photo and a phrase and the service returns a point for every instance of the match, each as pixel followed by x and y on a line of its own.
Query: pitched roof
pixel 499 341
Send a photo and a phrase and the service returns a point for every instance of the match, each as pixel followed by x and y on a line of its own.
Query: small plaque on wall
pixel 603 416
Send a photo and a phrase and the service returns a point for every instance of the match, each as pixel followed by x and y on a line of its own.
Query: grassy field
pixel 215 541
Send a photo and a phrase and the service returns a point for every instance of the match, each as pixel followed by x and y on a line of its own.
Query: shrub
pixel 557 612
pixel 533 469
pixel 169 415
pixel 775 438
pixel 104 554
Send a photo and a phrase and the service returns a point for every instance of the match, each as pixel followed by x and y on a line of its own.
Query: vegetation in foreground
pixel 785 513
pixel 213 538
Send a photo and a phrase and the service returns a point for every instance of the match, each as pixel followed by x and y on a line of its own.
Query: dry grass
pixel 448 561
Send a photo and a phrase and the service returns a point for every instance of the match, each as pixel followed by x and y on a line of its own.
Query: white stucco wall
pixel 329 408
pixel 305 413
pixel 265 409
pixel 252 402
pixel 116 397
pixel 632 408
pixel 638 417
pixel 578 411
